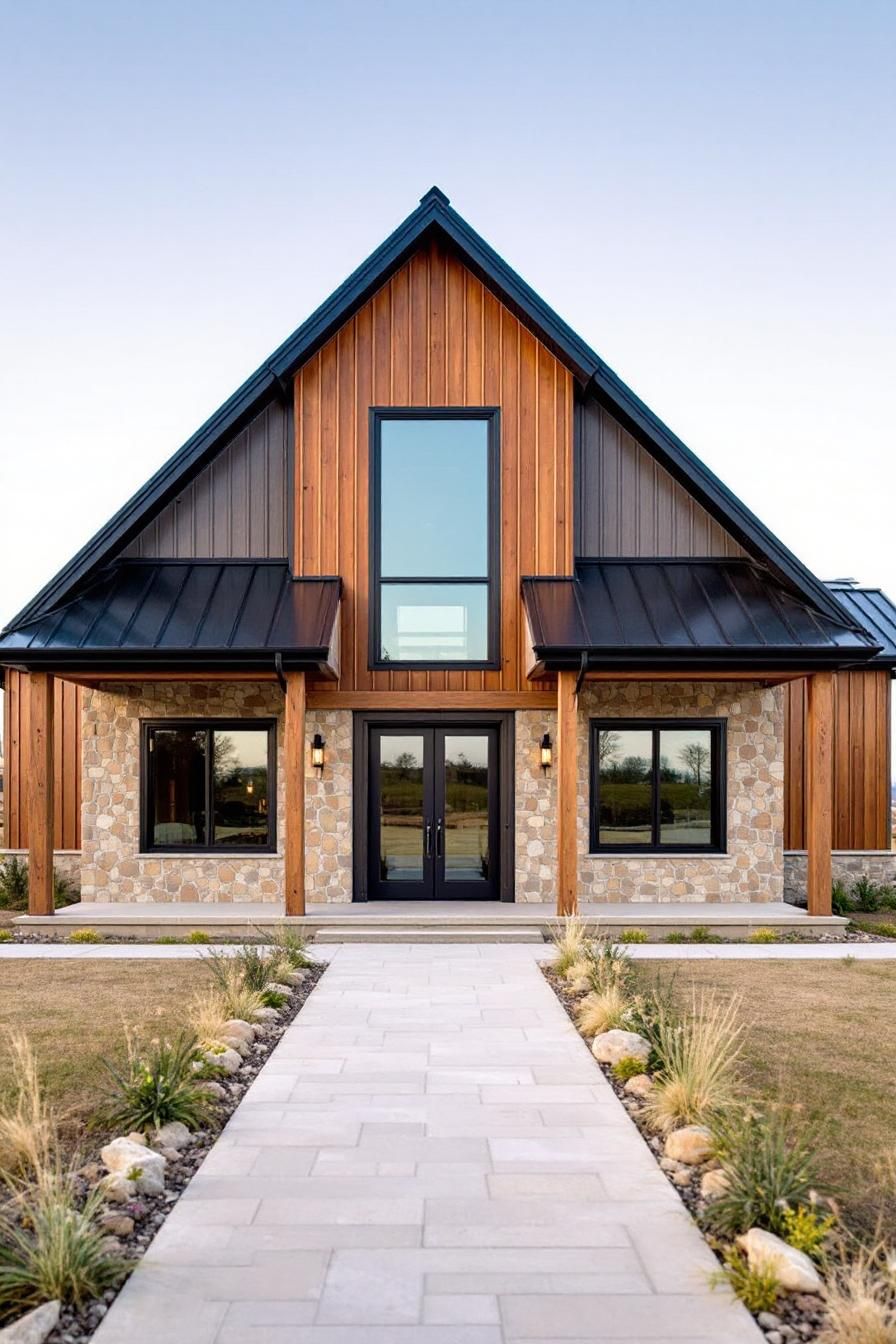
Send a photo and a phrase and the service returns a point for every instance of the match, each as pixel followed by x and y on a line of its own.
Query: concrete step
pixel 454 933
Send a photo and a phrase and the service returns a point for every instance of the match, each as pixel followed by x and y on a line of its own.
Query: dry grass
pixel 602 1010
pixel 74 1014
pixel 28 1128
pixel 819 1036
pixel 861 1305
pixel 569 943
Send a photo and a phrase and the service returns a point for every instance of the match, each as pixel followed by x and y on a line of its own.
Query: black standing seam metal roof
pixel 186 611
pixel 649 612
pixel 433 216
pixel 876 613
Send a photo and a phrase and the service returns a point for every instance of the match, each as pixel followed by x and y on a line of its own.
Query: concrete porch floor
pixel 380 920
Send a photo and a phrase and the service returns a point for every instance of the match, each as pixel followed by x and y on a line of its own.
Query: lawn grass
pixel 820 1035
pixel 75 1014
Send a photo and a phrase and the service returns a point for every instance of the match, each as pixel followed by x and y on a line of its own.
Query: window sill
pixel 660 854
pixel 209 854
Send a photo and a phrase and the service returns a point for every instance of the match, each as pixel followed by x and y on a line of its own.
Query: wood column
pixel 294 854
pixel 819 791
pixel 40 794
pixel 567 787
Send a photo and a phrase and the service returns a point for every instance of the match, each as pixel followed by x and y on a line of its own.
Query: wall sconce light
pixel 547 753
pixel 317 752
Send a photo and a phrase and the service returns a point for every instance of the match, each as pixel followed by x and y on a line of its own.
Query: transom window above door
pixel 435 591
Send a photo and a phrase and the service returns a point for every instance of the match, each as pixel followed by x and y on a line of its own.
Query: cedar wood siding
pixel 433 336
pixel 629 505
pixel 238 507
pixel 67 754
pixel 861 761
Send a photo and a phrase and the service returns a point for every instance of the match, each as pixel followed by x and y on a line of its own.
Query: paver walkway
pixel 430 1156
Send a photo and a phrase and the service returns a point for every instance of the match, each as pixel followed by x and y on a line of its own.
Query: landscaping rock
pixel 294 977
pixel 795 1271
pixel 611 1046
pixel 237 1043
pixel 173 1135
pixel 278 988
pixel 34 1326
pixel 91 1171
pixel 136 1136
pixel 682 1177
pixel 235 1026
pixel 691 1144
pixel 768 1320
pixel 713 1185
pixel 267 1014
pixel 639 1086
pixel 117 1188
pixel 124 1156
pixel 116 1224
pixel 227 1060
pixel 212 1089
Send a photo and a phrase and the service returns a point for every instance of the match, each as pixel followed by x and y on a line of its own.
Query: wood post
pixel 295 761
pixel 819 791
pixel 40 794
pixel 567 789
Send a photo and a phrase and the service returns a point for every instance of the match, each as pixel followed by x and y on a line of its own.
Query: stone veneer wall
pixel 112 867
pixel 752 867
pixel 879 865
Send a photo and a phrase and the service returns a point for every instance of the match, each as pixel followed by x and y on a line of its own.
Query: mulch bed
pixel 148 1212
pixel 797 1316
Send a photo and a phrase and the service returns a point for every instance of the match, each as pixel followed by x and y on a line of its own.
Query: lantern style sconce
pixel 317 752
pixel 547 753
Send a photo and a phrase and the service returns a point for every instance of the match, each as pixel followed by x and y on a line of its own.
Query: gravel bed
pixel 140 1218
pixel 797 1316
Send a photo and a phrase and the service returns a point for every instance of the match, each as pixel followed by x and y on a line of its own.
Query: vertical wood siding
pixel 67 756
pixel 627 504
pixel 433 336
pixel 861 761
pixel 236 507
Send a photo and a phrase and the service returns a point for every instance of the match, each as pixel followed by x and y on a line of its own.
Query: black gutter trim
pixel 569 659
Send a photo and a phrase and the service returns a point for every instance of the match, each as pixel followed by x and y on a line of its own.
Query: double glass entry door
pixel 433 814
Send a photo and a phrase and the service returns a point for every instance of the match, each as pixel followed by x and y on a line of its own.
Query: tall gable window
pixel 208 786
pixel 657 786
pixel 434 538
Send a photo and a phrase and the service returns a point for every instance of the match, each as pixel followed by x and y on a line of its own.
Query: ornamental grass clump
pixel 570 942
pixel 609 967
pixel 762 936
pixel 860 1301
pixel 698 1054
pixel 238 998
pixel 633 936
pixel 769 1164
pixel 602 1010
pixel 52 1248
pixel 158 1084
pixel 291 947
pixel 29 1135
pixel 208 1015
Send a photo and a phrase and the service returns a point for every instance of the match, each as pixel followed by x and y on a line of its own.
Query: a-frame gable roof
pixel 434 215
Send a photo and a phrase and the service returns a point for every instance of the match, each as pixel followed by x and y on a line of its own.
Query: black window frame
pixel 375 661
pixel 209 726
pixel 718 798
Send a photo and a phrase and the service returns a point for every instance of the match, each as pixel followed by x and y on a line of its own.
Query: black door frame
pixel 450 719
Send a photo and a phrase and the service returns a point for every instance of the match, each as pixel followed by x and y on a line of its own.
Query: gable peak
pixel 434 197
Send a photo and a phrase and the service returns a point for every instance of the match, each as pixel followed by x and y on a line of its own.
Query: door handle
pixel 439 838
pixel 427 841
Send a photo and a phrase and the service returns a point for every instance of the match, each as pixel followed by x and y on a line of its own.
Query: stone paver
pixel 430 1156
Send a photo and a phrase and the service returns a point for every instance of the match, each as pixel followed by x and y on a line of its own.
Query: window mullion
pixel 209 777
pixel 656 788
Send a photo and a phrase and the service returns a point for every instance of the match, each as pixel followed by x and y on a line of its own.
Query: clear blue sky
pixel 704 190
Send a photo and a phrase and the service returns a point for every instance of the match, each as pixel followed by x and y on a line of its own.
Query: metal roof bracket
pixel 583 668
pixel 278 668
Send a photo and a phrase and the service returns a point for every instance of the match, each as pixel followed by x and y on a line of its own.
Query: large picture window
pixel 434 538
pixel 657 786
pixel 208 786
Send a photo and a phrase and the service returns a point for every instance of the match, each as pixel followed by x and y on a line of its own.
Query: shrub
pixel 882 930
pixel 758 1289
pixel 28 1128
pixel 633 936
pixel 807 1229
pixel 274 998
pixel 85 936
pixel 198 936
pixel 698 1054
pixel 860 1302
pixel 166 938
pixel 569 943
pixel 701 934
pixel 676 936
pixel 865 895
pixel 5 936
pixel 601 1010
pixel 769 1164
pixel 762 936
pixel 52 1248
pixel 630 1066
pixel 157 1085
pixel 64 890
pixel 13 884
pixel 841 902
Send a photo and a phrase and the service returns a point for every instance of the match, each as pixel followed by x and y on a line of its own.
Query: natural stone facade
pixel 536 809
pixel 328 809
pixel 846 865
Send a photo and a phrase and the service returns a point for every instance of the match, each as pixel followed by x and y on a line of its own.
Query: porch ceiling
pixel 673 614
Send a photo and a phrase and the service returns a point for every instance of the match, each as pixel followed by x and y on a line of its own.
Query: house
pixel 435 608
